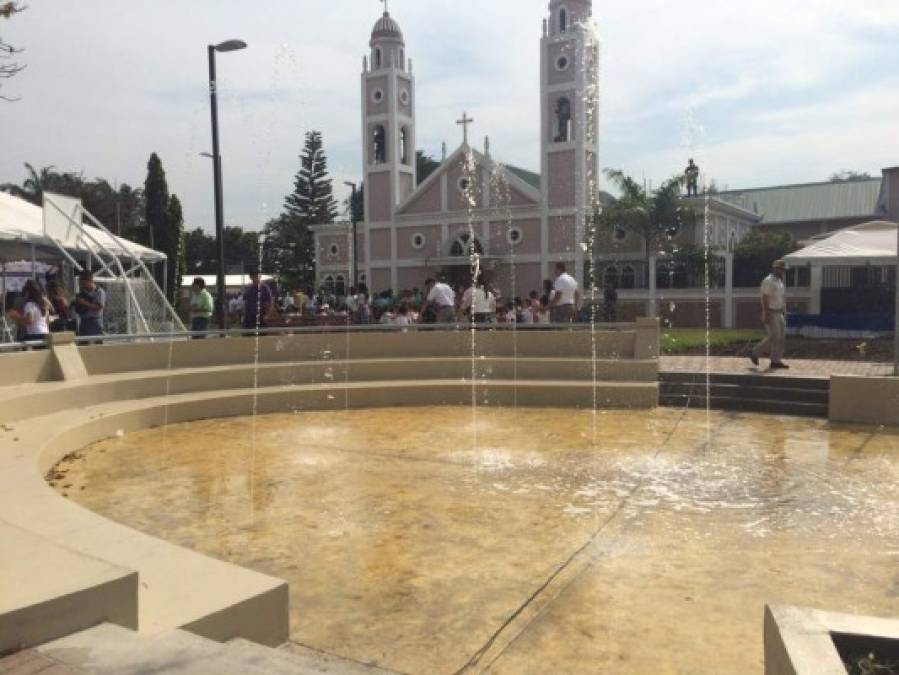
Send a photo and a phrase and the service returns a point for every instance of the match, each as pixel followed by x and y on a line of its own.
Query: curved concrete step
pixel 111 650
pixel 46 398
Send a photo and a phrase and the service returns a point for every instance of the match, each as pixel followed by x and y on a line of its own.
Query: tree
pixel 9 68
pixel 156 203
pixel 425 165
pixel 241 251
pixel 165 224
pixel 849 176
pixel 176 264
pixel 120 210
pixel 289 241
pixel 312 199
pixel 653 215
pixel 755 253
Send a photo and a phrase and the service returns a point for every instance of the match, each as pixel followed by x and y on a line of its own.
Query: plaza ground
pixel 523 541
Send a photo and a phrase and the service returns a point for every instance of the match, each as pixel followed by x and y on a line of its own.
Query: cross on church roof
pixel 386 11
pixel 464 122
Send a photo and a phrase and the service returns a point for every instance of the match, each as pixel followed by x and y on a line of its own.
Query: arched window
pixel 611 278
pixel 340 287
pixel 377 58
pixel 404 145
pixel 329 284
pixel 563 20
pixel 463 246
pixel 628 277
pixel 379 144
pixel 563 120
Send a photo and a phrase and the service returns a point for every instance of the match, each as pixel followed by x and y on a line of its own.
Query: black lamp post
pixel 227 46
pixel 355 260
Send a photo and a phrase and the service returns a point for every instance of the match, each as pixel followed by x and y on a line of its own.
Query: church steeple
pixel 388 110
pixel 569 103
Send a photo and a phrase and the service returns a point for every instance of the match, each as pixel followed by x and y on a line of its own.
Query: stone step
pixel 781 381
pixel 745 392
pixel 111 650
pixel 793 408
pixel 313 661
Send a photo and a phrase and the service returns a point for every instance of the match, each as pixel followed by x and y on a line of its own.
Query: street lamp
pixel 227 46
pixel 355 259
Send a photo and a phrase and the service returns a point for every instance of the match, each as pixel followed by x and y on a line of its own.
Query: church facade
pixel 518 222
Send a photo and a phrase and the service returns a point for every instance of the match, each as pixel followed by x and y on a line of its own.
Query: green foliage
pixel 289 249
pixel 425 165
pixel 680 340
pixel 241 251
pixel 754 255
pixel 165 224
pixel 652 215
pixel 120 210
pixel 156 203
pixel 849 176
pixel 176 264
pixel 312 200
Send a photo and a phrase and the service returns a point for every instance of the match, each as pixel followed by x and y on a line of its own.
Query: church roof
pixel 386 27
pixel 810 202
pixel 529 177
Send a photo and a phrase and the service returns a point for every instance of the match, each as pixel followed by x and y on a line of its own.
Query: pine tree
pixel 312 201
pixel 290 244
pixel 178 263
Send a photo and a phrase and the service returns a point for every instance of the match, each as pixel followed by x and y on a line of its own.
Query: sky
pixel 762 93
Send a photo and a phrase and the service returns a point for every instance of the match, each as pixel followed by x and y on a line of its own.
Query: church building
pixel 518 222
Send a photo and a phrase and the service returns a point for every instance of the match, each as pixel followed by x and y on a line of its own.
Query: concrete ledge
pixel 864 400
pixel 21 404
pixel 47 591
pixel 584 344
pixel 798 641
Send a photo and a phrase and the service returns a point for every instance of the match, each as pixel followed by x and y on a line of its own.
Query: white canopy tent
pixel 24 225
pixel 872 243
pixel 60 232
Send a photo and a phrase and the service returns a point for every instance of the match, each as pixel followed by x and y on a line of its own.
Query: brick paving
pixel 29 662
pixel 798 367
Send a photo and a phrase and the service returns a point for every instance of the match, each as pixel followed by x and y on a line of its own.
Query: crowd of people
pixel 44 309
pixel 262 305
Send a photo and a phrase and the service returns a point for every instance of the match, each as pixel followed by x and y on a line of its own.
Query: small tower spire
pixel 444 151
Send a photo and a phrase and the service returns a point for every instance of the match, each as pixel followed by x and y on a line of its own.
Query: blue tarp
pixel 876 322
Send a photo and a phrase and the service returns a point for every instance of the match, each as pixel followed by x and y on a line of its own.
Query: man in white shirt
pixel 774 306
pixel 566 297
pixel 442 299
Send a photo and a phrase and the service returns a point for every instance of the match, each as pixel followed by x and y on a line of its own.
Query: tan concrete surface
pixel 528 541
pixel 105 359
pixel 42 422
pixel 57 591
pixel 865 400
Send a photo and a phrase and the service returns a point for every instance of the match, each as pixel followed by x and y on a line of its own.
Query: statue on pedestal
pixel 692 177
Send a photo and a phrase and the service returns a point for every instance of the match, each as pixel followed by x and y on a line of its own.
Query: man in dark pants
pixel 89 305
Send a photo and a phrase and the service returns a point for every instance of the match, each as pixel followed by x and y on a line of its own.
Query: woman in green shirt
pixel 201 307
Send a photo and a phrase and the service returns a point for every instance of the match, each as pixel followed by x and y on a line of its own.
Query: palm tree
pixel 655 216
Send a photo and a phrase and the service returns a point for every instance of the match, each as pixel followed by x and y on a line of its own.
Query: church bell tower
pixel 388 122
pixel 569 100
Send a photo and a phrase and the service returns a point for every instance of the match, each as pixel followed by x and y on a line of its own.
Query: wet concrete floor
pixel 524 541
